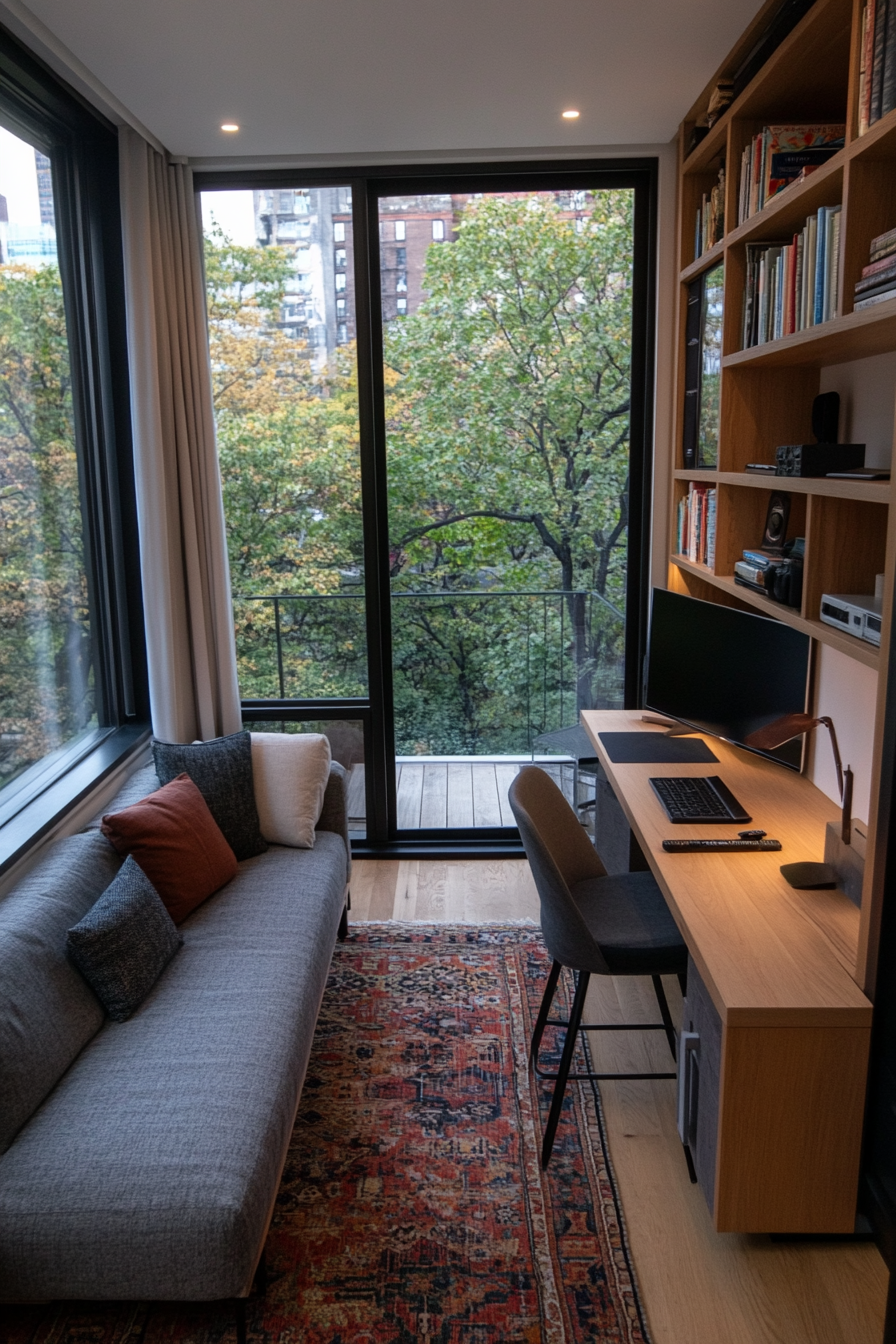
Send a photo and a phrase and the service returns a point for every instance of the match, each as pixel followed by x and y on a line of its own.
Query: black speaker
pixel 776 521
pixel 826 417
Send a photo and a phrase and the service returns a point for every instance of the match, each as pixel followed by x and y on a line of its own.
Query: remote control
pixel 718 846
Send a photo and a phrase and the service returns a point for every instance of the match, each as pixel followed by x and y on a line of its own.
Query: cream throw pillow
pixel 291 772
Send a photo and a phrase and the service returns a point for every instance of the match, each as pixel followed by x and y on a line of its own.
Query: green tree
pixel 46 678
pixel 288 449
pixel 509 429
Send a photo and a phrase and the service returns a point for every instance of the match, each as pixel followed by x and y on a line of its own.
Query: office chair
pixel 592 923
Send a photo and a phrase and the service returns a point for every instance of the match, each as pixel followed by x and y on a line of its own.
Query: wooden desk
pixel 781 1140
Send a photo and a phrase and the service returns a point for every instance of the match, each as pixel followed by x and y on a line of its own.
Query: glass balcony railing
pixel 475 673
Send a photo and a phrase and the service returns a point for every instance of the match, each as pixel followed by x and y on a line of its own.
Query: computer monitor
pixel 726 672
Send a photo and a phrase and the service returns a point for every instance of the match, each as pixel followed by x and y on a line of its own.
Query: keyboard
pixel 718 846
pixel 704 799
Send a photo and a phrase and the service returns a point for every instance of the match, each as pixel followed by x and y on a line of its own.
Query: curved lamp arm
pixel 790 726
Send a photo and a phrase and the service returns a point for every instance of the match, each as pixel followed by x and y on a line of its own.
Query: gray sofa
pixel 142 1158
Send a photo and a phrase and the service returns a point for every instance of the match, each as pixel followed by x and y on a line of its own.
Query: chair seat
pixel 629 920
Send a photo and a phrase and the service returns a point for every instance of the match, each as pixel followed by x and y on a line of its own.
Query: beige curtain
pixel 183 549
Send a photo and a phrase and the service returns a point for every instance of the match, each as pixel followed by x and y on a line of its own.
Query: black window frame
pixel 83 149
pixel 641 174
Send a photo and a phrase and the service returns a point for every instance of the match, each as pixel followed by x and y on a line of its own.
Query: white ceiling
pixel 342 77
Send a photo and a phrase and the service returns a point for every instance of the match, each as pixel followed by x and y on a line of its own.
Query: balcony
pixel 478 678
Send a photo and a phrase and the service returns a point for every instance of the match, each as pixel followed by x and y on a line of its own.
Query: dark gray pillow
pixel 222 772
pixel 124 942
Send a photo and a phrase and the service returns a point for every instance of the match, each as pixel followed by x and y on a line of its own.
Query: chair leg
pixel 664 1013
pixel 342 931
pixel 569 1045
pixel 546 1000
pixel 239 1310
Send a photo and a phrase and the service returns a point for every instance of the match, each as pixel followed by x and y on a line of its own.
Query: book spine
pixel 834 289
pixel 798 282
pixel 868 63
pixel 879 267
pixel 877 61
pixel 711 528
pixel 888 82
pixel 811 253
pixel 873 282
pixel 863 82
pixel 818 299
pixel 872 299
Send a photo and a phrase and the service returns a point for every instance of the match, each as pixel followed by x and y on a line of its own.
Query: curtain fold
pixel 183 548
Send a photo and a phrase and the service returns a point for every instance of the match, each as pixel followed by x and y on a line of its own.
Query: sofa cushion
pixel 176 841
pixel 48 1012
pixel 222 771
pixel 143 781
pixel 124 942
pixel 151 1169
pixel 291 771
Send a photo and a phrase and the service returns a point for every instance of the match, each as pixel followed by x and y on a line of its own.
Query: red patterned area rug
pixel 412 1206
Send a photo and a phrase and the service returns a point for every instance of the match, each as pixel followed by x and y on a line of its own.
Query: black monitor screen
pixel 726 672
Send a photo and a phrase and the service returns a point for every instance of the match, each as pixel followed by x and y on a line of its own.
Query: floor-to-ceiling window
pixel 71 640
pixel 432 416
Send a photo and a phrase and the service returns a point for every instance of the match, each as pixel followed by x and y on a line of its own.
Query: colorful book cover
pixel 786 142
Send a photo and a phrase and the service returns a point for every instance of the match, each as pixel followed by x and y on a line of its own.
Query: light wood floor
pixel 699 1287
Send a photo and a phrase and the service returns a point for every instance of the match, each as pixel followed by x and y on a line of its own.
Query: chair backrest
pixel 560 855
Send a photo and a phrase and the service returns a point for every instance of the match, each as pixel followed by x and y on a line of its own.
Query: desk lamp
pixel 775 735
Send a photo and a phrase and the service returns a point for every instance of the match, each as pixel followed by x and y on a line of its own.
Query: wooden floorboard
pixel 460 793
pixel 434 804
pixel 699 1287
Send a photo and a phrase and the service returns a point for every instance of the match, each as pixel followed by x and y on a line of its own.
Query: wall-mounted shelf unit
pixel 765 392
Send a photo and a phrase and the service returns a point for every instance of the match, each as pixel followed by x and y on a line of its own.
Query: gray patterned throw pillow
pixel 124 942
pixel 222 772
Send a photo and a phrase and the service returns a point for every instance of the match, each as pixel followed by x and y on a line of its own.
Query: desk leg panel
pixel 790 1125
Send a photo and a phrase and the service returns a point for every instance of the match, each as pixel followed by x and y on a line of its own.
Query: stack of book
pixel 779 156
pixel 791 286
pixel 757 571
pixel 877 69
pixel 710 217
pixel 878 280
pixel 696 532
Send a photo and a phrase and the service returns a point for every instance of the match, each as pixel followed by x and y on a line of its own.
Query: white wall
pixel 867 390
pixel 846 691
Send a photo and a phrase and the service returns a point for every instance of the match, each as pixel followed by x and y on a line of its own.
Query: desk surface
pixel 769 955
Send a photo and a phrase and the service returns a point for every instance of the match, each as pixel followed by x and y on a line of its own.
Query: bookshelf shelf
pixel 873 492
pixel 824 634
pixel 711 257
pixel 872 331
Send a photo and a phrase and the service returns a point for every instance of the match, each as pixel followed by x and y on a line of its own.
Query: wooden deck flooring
pixel 442 793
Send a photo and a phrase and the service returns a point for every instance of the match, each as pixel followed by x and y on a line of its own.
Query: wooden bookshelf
pixel 766 391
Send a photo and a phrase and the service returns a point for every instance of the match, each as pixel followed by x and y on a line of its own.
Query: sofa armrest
pixel 334 814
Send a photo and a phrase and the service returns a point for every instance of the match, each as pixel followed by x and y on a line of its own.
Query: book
pixel 752 573
pixel 884 264
pixel 884 245
pixel 786 166
pixel 781 155
pixel 760 559
pixel 820 241
pixel 877 61
pixel 867 59
pixel 869 301
pixel 881 280
pixel 888 79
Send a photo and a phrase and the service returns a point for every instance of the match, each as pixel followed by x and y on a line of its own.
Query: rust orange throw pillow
pixel 178 844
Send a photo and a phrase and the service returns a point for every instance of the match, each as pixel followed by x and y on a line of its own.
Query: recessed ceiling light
pixel 570 114
pixel 231 126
